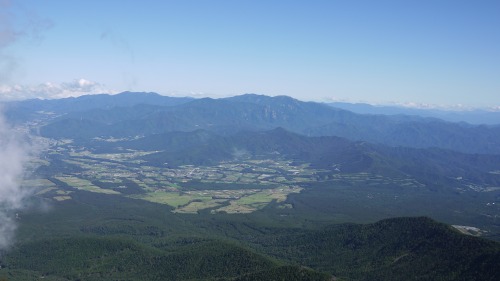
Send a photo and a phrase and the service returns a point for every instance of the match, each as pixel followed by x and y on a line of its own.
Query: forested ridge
pixel 392 249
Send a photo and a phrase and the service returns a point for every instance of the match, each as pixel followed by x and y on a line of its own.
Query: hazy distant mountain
pixel 26 109
pixel 257 112
pixel 470 116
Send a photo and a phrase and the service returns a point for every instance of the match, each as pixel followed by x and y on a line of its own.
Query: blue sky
pixel 426 52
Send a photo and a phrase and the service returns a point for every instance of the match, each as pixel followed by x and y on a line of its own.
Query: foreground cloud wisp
pixel 15 153
pixel 49 90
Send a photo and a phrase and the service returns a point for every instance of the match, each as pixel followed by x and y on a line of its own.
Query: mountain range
pixel 139 114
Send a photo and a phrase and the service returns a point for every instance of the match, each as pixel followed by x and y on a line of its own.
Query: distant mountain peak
pixel 261 99
pixel 128 93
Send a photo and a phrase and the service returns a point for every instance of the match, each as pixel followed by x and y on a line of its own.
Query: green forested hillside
pixel 108 237
pixel 91 258
pixel 417 248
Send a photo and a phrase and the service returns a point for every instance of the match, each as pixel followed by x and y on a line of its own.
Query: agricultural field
pixel 240 187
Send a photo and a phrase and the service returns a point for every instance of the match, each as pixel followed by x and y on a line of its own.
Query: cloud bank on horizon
pixel 18 23
pixel 76 88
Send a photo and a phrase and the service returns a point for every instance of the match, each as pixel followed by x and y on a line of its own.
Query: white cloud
pixel 81 85
pixel 449 107
pixel 495 108
pixel 48 90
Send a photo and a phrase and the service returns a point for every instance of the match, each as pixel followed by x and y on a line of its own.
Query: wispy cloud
pixel 16 23
pixel 8 34
pixel 119 42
